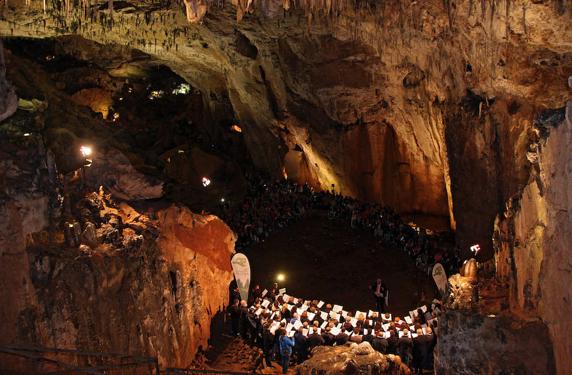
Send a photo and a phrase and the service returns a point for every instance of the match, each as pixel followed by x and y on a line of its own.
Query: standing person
pixel 267 344
pixel 234 311
pixel 255 293
pixel 234 293
pixel 244 323
pixel 405 348
pixel 380 293
pixel 419 351
pixel 300 345
pixel 286 345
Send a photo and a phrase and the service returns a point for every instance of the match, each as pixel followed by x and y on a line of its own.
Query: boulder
pixel 351 359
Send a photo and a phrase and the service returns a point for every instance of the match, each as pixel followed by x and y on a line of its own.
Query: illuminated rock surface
pixel 534 237
pixel 351 359
pixel 147 287
pixel 432 102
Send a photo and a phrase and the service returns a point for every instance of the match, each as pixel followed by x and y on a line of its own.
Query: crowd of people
pixel 389 228
pixel 288 328
pixel 269 206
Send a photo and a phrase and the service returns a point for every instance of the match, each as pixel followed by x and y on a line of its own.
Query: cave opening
pixel 145 147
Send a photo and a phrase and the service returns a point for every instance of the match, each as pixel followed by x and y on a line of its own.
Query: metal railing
pixel 81 362
pixel 197 371
pixel 48 361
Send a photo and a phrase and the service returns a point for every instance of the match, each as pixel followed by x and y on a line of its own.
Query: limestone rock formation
pixel 145 281
pixel 111 169
pixel 470 343
pixel 533 237
pixel 351 359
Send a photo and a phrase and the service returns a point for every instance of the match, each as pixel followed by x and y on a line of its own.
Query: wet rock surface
pixel 351 359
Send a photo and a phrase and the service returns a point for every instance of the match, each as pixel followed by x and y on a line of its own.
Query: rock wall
pixel 470 343
pixel 532 236
pixel 150 291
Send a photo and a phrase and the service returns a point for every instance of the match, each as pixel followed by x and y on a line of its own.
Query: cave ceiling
pixel 423 105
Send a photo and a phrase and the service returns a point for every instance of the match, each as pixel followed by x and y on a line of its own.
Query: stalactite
pixel 524 28
pixel 507 19
pixel 493 8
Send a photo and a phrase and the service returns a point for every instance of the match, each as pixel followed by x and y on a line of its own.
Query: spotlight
pixel 236 128
pixel 26 134
pixel 280 277
pixel 222 200
pixel 206 181
pixel 85 151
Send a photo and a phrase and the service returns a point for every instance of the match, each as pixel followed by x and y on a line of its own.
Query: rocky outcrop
pixel 145 282
pixel 351 359
pixel 470 343
pixel 112 170
pixel 463 293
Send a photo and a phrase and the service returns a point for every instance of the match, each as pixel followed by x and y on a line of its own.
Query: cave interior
pixel 133 132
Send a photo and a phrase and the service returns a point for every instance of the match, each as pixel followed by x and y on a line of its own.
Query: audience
pixel 269 206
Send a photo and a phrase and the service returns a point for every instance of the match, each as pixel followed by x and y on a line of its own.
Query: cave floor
pixel 328 260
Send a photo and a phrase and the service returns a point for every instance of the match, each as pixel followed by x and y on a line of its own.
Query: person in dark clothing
pixel 392 342
pixel 405 348
pixel 315 339
pixel 329 339
pixel 420 347
pixel 234 294
pixel 380 292
pixel 252 327
pixel 427 363
pixel 276 347
pixel 369 336
pixel 380 344
pixel 267 344
pixel 300 346
pixel 244 323
pixel 234 311
pixel 342 338
pixel 421 316
pixel 255 293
